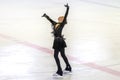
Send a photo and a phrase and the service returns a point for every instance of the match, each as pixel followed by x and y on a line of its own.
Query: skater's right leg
pixel 68 67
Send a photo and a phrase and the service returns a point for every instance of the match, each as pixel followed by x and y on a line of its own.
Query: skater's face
pixel 60 19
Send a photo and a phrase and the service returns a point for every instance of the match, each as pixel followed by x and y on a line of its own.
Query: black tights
pixel 62 51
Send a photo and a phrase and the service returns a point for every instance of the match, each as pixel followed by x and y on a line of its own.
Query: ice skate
pixel 56 75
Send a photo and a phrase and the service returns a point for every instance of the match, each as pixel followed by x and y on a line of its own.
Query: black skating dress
pixel 59 41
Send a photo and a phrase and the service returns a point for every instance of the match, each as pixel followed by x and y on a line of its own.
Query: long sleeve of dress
pixel 66 14
pixel 50 20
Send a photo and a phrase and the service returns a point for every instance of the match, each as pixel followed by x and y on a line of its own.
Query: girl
pixel 59 42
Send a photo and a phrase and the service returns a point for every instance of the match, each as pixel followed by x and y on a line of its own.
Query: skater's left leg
pixel 59 71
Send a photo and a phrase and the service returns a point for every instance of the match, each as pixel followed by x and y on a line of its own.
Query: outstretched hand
pixel 66 5
pixel 44 15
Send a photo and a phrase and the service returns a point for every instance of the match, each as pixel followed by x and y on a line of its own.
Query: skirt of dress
pixel 59 43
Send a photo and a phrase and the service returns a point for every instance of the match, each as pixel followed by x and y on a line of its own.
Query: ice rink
pixel 92 36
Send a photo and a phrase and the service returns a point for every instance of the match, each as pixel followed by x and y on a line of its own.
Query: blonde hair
pixel 60 18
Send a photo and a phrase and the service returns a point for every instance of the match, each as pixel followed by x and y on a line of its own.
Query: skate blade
pixel 57 76
pixel 67 72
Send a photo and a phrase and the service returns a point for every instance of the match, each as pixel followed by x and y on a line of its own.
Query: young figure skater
pixel 59 43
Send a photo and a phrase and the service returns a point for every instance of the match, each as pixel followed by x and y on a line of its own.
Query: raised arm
pixel 66 13
pixel 49 19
